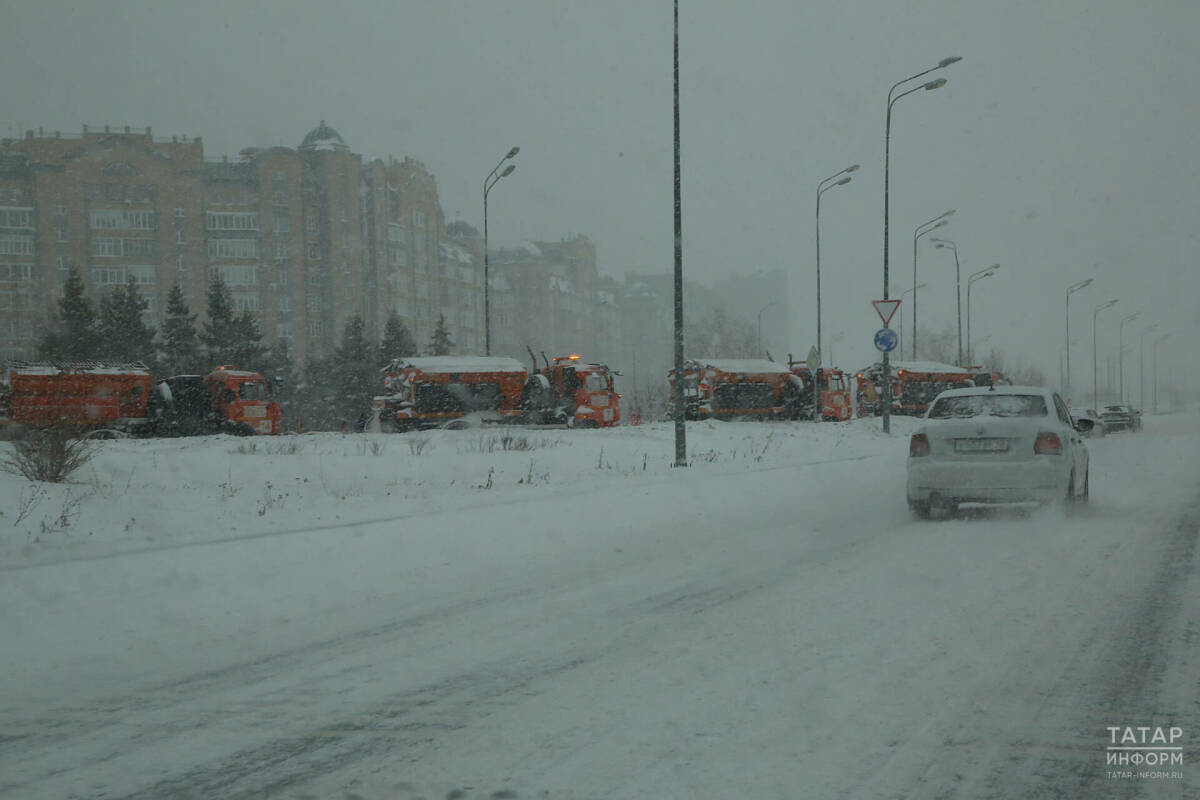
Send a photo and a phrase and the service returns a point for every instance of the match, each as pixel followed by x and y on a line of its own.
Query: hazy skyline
pixel 1061 138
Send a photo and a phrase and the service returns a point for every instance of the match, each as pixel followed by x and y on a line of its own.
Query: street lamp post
pixel 957 291
pixel 822 187
pixel 914 294
pixel 918 232
pixel 491 180
pixel 1141 366
pixel 1075 287
pixel 1121 354
pixel 887 136
pixel 975 276
pixel 1095 359
pixel 1154 349
pixel 760 313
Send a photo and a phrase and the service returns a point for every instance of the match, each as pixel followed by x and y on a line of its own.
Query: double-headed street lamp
pixel 922 229
pixel 822 187
pixel 1121 354
pixel 491 180
pixel 957 291
pixel 887 136
pixel 1095 359
pixel 975 276
pixel 1141 366
pixel 1075 287
pixel 914 294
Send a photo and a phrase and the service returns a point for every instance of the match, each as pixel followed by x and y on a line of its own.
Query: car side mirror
pixel 1084 425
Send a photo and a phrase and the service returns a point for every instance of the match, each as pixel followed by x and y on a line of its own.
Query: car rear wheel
pixel 920 510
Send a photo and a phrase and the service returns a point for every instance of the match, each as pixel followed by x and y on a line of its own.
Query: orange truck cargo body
pixel 725 388
pixel 92 394
pixel 835 392
pixel 424 392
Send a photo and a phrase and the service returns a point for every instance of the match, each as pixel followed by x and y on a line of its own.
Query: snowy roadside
pixel 141 495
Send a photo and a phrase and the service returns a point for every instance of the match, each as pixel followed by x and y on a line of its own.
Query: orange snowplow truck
pixel 749 387
pixel 835 392
pixel 571 392
pixel 915 384
pixel 90 394
pixel 425 392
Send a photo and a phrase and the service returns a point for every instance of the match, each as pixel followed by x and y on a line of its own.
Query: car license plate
pixel 980 445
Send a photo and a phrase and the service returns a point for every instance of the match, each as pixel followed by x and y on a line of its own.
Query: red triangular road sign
pixel 886 309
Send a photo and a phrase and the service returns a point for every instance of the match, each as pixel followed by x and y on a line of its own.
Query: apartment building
pixel 305 238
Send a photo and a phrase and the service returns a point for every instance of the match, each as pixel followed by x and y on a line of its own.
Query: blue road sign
pixel 885 340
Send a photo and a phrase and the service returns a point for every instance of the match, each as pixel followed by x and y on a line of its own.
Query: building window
pixel 313 304
pixel 283 223
pixel 223 221
pixel 179 212
pixel 233 248
pixel 236 276
pixel 145 276
pixel 16 245
pixel 419 219
pixel 316 328
pixel 310 223
pixel 282 275
pixel 180 236
pixel 140 247
pixel 16 272
pixel 13 217
pixel 398 256
pixel 314 278
pixel 126 220
pixel 283 249
pixel 245 301
pixel 313 252
pixel 283 330
pixel 106 247
pixel 108 276
pixel 284 303
pixel 6 301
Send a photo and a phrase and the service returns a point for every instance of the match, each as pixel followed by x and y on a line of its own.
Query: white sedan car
pixel 1002 444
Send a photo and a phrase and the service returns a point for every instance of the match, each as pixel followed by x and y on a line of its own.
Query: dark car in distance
pixel 1121 418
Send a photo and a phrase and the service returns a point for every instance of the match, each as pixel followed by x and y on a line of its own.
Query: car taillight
pixel 1047 444
pixel 918 445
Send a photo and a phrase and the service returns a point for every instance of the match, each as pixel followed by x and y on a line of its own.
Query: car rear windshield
pixel 995 405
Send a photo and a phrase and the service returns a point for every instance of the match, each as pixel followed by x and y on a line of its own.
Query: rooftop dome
pixel 323 137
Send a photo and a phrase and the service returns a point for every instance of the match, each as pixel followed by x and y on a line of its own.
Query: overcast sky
pixel 1066 138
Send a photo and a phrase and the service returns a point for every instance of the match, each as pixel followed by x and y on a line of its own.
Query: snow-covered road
pixel 778 629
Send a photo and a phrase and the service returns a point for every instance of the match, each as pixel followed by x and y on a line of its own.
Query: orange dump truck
pixel 748 387
pixel 428 391
pixel 226 400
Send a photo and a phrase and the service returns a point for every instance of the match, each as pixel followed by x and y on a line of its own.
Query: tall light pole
pixel 491 180
pixel 1141 366
pixel 822 187
pixel 914 294
pixel 1095 359
pixel 680 428
pixel 975 276
pixel 918 232
pixel 1075 287
pixel 957 291
pixel 760 313
pixel 1154 349
pixel 1121 354
pixel 887 137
